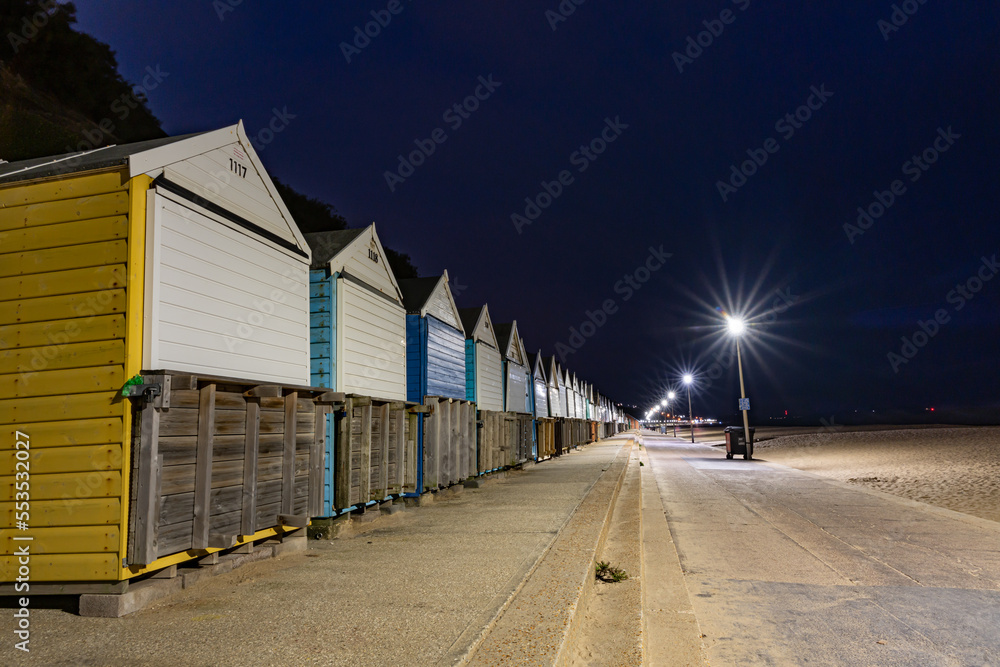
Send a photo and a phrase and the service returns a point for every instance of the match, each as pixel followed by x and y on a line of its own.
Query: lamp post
pixel 670 396
pixel 688 380
pixel 737 327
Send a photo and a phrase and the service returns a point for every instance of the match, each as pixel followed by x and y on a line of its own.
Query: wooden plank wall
pixel 545 431
pixel 374 453
pixel 231 459
pixel 64 246
pixel 496 441
pixel 561 441
pixel 449 442
pixel 411 426
pixel 517 439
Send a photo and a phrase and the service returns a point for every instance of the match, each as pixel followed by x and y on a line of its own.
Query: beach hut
pixel 358 331
pixel 358 323
pixel 540 386
pixel 565 404
pixel 544 423
pixel 558 404
pixel 435 344
pixel 154 357
pixel 516 384
pixel 574 396
pixel 515 367
pixel 551 368
pixel 435 371
pixel 484 386
pixel 578 400
pixel 483 360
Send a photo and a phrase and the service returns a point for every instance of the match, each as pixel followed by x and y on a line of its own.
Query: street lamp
pixel 737 327
pixel 670 396
pixel 689 380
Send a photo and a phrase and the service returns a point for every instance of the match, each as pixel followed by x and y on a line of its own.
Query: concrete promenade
pixel 743 563
pixel 787 568
pixel 419 587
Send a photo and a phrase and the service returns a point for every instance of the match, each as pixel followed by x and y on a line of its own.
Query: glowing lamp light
pixel 736 325
pixel 688 378
pixel 671 396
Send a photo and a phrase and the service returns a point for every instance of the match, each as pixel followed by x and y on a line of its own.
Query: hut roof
pixel 68 163
pixel 326 245
pixel 416 291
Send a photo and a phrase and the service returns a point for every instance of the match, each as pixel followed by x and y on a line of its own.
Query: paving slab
pixel 413 588
pixel 536 625
pixel 785 567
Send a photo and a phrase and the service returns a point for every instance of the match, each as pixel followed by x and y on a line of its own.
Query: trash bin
pixel 736 442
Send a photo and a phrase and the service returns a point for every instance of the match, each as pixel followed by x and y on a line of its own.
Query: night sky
pixel 831 303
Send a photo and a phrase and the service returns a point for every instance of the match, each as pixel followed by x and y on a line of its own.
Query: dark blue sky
pixel 657 183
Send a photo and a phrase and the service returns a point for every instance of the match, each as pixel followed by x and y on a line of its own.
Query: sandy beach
pixel 957 468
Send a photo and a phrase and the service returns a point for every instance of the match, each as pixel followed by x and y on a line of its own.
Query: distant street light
pixel 670 396
pixel 737 327
pixel 689 380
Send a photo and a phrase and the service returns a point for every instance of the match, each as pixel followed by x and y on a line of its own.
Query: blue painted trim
pixel 323 329
pixel 420 454
pixel 470 370
pixel 328 471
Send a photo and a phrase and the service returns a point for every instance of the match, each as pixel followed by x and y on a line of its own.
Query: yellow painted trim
pixel 136 280
pixel 192 554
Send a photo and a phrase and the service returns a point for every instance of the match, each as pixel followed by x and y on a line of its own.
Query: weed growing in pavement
pixel 606 572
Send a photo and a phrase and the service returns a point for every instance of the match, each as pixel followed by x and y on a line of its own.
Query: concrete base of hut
pixel 141 594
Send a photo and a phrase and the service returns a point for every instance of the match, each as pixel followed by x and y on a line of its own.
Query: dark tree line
pixel 46 63
pixel 40 45
pixel 313 215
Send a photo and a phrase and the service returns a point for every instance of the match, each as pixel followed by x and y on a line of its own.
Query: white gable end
pixel 515 349
pixel 222 168
pixel 484 329
pixel 364 259
pixel 441 305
